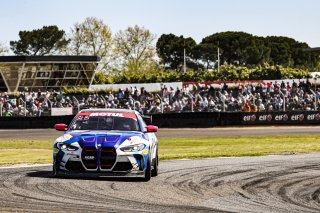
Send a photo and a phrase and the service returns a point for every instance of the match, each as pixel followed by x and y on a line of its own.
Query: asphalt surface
pixel 186 132
pixel 283 183
pixel 280 183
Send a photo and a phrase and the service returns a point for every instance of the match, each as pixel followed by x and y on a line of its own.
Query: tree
pixel 170 49
pixel 280 50
pixel 289 52
pixel 237 48
pixel 92 37
pixel 258 52
pixel 134 48
pixel 44 41
pixel 206 54
pixel 3 49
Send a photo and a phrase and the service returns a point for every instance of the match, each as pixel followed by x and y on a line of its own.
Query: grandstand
pixel 34 73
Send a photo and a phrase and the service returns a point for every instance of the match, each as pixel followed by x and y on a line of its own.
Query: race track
pixel 288 183
pixel 178 133
pixel 279 183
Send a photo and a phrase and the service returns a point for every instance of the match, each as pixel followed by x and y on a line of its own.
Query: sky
pixel 297 19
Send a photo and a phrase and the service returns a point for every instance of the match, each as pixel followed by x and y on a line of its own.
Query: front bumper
pixel 120 165
pixel 102 174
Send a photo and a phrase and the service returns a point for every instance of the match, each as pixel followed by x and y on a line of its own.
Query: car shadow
pixel 48 175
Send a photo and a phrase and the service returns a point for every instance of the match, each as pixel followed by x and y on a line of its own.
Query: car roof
pixel 109 110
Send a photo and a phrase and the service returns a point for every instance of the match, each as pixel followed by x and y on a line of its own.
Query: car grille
pixel 108 157
pixel 89 157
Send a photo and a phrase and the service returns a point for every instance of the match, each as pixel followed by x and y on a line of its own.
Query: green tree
pixel 206 54
pixel 134 48
pixel 281 51
pixel 289 52
pixel 170 49
pixel 44 41
pixel 92 37
pixel 238 48
pixel 258 52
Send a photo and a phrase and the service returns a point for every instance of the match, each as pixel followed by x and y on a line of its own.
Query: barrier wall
pixel 184 120
pixel 33 122
pixel 296 118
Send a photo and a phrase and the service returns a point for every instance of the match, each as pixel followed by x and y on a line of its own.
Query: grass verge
pixel 179 148
pixel 25 156
pixel 40 151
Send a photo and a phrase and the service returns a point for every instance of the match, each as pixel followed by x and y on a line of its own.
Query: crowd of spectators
pixel 248 97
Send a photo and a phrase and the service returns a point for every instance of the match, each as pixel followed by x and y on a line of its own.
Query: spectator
pixel 247 107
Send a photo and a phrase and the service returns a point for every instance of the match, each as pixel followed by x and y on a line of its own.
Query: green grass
pixel 179 148
pixel 27 156
pixel 40 151
pixel 26 144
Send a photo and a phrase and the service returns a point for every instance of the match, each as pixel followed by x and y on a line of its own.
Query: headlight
pixel 133 148
pixel 64 138
pixel 67 147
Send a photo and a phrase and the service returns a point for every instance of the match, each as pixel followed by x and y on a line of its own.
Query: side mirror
pixel 152 128
pixel 61 127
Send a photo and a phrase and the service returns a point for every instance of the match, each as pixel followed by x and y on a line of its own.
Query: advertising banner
pixel 61 111
pixel 307 117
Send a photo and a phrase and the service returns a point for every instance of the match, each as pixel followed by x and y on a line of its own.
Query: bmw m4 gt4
pixel 106 142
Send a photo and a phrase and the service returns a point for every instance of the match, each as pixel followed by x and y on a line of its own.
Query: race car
pixel 106 142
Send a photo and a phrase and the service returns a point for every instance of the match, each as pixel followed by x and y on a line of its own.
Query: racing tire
pixel 55 171
pixel 154 171
pixel 147 175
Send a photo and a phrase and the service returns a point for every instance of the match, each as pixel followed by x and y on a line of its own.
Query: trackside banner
pixel 61 111
pixel 307 117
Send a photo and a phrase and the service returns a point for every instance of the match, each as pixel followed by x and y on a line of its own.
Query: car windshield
pixel 104 123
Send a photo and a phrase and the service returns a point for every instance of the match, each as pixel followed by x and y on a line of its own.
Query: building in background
pixel 31 73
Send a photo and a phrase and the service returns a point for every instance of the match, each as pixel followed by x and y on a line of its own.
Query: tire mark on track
pixel 264 184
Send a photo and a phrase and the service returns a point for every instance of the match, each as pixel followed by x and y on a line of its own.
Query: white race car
pixel 106 142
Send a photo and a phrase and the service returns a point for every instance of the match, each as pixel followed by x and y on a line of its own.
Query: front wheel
pixel 55 170
pixel 147 175
pixel 154 171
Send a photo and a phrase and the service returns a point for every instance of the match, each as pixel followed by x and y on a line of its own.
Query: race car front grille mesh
pixel 108 157
pixel 89 157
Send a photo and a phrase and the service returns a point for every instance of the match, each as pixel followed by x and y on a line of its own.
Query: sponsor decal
pixel 89 157
pixel 113 114
pixel 265 117
pixel 55 150
pixel 283 117
pixel 144 152
pixel 313 117
pixel 249 118
pixel 87 115
pixel 299 117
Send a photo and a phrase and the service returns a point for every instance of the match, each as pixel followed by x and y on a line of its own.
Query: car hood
pixel 102 138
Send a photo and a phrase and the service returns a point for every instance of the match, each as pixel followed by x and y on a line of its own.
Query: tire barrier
pixel 184 119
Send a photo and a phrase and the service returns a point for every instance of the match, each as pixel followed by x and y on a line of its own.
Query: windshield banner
pixel 87 115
